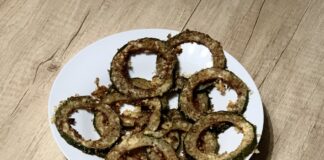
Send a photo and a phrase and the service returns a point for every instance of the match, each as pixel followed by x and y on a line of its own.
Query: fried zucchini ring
pixel 246 147
pixel 187 36
pixel 207 76
pixel 110 129
pixel 141 141
pixel 161 82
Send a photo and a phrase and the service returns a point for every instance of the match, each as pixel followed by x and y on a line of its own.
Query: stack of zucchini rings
pixel 154 131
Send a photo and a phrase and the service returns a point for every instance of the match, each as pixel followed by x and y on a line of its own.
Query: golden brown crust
pixel 161 82
pixel 246 147
pixel 214 46
pixel 209 75
pixel 110 131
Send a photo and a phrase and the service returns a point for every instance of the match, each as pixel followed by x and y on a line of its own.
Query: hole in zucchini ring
pixel 208 76
pixel 246 147
pixel 109 131
pixel 161 82
pixel 137 141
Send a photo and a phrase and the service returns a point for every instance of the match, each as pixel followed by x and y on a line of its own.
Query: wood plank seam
pixel 190 16
pixel 256 21
pixel 78 31
pixel 288 43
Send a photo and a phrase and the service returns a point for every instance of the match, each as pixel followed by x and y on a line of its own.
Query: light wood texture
pixel 281 44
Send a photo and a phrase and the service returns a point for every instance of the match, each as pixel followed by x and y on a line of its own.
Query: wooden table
pixel 281 44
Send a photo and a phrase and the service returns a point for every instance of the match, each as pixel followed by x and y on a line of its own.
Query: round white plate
pixel 79 74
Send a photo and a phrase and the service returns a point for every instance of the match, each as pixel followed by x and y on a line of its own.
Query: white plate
pixel 78 75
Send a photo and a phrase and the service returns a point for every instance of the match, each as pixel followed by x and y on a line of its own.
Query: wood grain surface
pixel 280 42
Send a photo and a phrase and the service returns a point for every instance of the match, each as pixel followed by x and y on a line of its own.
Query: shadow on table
pixel 266 143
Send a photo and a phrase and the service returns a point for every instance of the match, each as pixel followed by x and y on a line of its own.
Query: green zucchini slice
pixel 110 130
pixel 207 76
pixel 219 60
pixel 246 147
pixel 161 82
